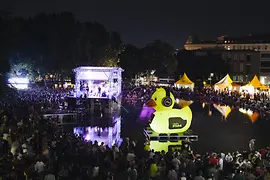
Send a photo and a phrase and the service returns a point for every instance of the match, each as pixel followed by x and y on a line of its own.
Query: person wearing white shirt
pixel 183 176
pixel 49 177
pixel 95 171
pixel 130 156
pixel 251 144
pixel 220 162
pixel 176 163
pixel 152 154
pixel 228 158
pixel 172 175
pixel 39 166
pixel 115 151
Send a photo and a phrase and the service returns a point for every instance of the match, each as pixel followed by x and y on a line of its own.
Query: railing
pixel 174 138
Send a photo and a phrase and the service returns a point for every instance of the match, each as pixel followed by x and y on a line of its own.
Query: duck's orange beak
pixel 151 103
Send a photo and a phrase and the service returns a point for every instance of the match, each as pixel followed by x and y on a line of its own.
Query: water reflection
pixel 108 135
pixel 225 111
pixel 253 116
pixel 214 134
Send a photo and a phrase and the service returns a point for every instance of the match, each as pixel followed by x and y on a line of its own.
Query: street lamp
pixel 210 78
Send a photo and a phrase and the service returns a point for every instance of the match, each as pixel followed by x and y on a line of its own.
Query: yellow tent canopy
pixel 184 80
pixel 226 81
pixel 256 83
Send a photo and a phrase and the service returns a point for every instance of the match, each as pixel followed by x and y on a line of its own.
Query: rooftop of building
pixel 225 50
pixel 248 39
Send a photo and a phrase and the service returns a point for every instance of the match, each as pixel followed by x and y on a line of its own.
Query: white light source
pixel 263 80
pixel 19 83
pixel 152 72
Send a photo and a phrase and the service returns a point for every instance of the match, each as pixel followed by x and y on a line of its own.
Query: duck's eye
pixel 155 99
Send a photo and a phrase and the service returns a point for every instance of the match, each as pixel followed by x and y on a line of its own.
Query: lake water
pixel 214 130
pixel 216 133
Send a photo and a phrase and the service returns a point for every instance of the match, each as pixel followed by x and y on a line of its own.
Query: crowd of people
pixel 34 148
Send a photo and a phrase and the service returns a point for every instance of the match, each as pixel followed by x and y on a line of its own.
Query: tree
pixel 159 56
pixel 112 51
pixel 130 61
pixel 5 38
pixel 22 67
pixel 92 42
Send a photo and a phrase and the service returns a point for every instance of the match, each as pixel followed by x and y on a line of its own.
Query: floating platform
pixel 166 142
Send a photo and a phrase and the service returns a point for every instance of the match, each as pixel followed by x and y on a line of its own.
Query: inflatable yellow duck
pixel 166 119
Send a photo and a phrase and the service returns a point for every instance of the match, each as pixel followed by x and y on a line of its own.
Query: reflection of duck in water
pixel 166 119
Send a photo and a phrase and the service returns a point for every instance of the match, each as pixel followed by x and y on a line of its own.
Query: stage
pixel 97 82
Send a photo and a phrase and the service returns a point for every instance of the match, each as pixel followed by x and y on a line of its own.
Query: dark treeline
pixel 58 43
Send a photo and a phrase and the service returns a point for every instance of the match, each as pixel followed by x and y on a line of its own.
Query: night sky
pixel 140 22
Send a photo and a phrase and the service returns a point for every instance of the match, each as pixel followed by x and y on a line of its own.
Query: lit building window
pixel 225 41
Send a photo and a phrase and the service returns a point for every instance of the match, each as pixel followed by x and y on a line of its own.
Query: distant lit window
pixel 265 64
pixel 265 70
pixel 225 41
pixel 228 41
pixel 265 55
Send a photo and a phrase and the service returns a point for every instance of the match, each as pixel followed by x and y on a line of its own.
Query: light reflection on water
pixel 225 128
pixel 222 127
pixel 214 130
pixel 108 135
pixel 225 111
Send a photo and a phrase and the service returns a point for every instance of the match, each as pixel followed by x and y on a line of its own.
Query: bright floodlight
pixel 19 83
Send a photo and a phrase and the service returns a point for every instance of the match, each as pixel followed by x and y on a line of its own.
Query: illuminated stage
pixel 97 92
pixel 98 82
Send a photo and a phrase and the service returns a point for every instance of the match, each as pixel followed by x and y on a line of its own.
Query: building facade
pixel 243 65
pixel 256 43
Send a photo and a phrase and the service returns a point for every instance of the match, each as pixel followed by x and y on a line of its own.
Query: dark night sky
pixel 140 22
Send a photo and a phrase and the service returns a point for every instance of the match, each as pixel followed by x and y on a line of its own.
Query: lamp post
pixel 210 78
